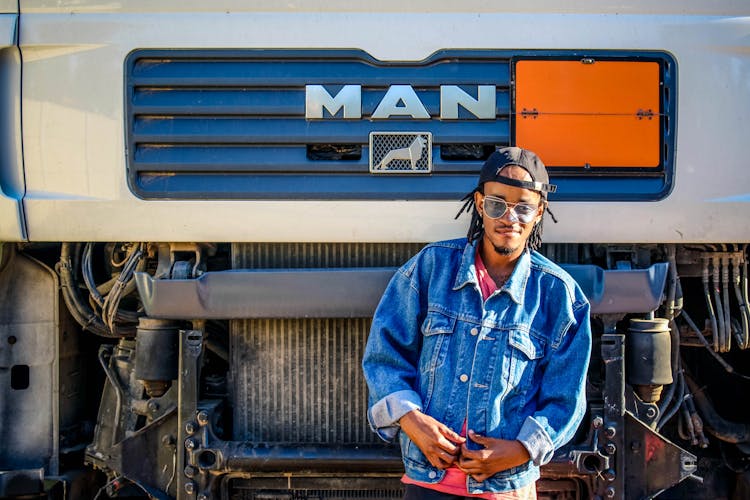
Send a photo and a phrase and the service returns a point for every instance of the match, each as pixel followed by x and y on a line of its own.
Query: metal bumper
pixel 355 292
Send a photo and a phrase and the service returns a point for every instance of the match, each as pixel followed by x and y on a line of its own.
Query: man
pixel 479 348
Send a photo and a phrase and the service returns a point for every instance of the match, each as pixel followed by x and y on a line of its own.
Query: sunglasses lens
pixel 525 213
pixel 494 207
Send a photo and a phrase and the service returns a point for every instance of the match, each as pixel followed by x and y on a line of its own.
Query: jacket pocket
pixel 527 343
pixel 437 322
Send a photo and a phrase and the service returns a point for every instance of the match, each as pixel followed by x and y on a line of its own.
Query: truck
pixel 201 203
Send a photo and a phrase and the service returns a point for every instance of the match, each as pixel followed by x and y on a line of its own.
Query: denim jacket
pixel 513 366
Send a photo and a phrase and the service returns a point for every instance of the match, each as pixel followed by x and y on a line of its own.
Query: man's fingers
pixel 448 458
pixel 477 438
pixel 447 445
pixel 455 438
pixel 442 460
pixel 468 454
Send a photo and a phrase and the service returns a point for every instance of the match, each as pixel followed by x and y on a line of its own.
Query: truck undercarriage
pixel 233 371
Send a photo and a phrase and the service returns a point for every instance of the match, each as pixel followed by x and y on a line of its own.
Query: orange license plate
pixel 589 113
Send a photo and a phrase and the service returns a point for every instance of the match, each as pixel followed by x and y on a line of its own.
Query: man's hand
pixel 497 455
pixel 438 442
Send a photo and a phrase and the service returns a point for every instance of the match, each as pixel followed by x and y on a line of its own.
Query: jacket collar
pixel 516 284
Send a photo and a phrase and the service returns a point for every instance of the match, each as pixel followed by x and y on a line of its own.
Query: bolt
pixel 202 496
pixel 650 412
pixel 610 432
pixel 152 406
pixel 190 471
pixel 597 422
pixel 190 488
pixel 167 440
pixel 635 446
pixel 190 444
pixel 610 475
pixel 203 417
pixel 190 428
pixel 609 492
pixel 610 448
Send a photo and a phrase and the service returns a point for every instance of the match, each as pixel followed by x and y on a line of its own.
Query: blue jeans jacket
pixel 513 367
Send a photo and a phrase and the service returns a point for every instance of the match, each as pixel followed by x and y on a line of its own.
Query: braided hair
pixel 476 227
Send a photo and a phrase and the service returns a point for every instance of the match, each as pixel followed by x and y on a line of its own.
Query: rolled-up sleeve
pixel 561 401
pixel 384 414
pixel 391 358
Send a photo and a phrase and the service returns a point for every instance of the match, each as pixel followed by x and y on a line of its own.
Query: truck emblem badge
pixel 400 101
pixel 401 152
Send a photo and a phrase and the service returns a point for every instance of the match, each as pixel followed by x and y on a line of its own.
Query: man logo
pixel 401 152
pixel 413 153
pixel 398 101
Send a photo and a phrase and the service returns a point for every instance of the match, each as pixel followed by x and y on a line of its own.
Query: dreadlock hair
pixel 476 227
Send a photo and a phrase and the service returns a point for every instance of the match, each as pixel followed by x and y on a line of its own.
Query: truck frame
pixel 201 203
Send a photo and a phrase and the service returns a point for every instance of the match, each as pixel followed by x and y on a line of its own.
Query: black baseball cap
pixel 527 160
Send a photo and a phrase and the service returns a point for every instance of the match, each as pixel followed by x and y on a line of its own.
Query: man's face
pixel 507 235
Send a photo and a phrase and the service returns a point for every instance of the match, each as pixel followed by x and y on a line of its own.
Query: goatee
pixel 504 250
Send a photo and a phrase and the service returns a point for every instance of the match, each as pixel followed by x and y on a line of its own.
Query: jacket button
pixel 474 331
pixel 463 378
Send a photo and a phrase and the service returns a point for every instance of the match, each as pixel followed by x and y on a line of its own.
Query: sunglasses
pixel 519 212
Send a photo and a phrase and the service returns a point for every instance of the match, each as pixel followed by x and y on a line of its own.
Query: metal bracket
pixel 613 356
pixel 191 346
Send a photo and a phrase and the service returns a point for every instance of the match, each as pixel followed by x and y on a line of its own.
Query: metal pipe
pixel 672 291
pixel 88 275
pixel 710 306
pixel 243 456
pixel 737 282
pixel 744 291
pixel 674 284
pixel 718 426
pixel 678 399
pixel 716 287
pixel 696 419
pixel 705 343
pixel 679 298
pixel 115 385
pixel 727 311
pixel 687 422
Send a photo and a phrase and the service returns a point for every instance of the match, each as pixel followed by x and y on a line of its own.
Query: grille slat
pixel 273 68
pixel 234 130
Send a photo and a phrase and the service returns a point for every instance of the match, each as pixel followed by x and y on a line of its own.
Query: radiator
pixel 299 380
